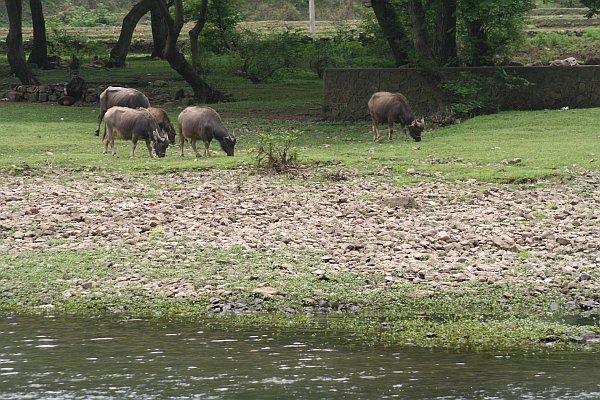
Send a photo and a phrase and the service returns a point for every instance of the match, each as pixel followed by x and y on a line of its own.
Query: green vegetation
pixel 116 282
pixel 548 143
pixel 40 138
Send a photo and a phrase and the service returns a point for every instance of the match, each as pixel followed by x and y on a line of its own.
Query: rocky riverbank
pixel 436 234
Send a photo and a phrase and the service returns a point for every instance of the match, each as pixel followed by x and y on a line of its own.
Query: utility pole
pixel 311 15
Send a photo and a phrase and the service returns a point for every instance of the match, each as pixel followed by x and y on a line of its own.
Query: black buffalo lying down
pixel 120 96
pixel 134 124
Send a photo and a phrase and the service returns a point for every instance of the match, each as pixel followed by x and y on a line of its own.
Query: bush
pixel 472 94
pixel 262 56
pixel 65 44
pixel 275 152
pixel 81 17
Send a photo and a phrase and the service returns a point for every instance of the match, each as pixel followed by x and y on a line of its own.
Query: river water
pixel 60 358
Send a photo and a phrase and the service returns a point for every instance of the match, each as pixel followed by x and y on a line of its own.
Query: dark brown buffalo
pixel 120 96
pixel 204 123
pixel 393 107
pixel 164 123
pixel 133 124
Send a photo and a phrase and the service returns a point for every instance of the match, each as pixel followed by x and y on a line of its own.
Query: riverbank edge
pixel 528 329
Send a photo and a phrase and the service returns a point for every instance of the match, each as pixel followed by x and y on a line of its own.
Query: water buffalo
pixel 164 123
pixel 120 96
pixel 393 107
pixel 204 123
pixel 133 124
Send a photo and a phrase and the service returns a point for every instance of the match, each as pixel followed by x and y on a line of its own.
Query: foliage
pixel 372 38
pixel 503 22
pixel 261 56
pixel 82 17
pixel 593 6
pixel 63 43
pixel 220 32
pixel 276 152
pixel 339 51
pixel 472 94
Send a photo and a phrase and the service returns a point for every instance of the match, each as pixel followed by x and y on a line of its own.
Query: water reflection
pixel 46 358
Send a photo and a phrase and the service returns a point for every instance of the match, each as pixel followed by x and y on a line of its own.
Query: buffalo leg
pixel 375 129
pixel 181 142
pixel 133 146
pixel 149 146
pixel 206 152
pixel 406 139
pixel 390 130
pixel 99 122
pixel 193 143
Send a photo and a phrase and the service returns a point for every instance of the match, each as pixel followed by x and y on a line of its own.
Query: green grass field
pixel 549 143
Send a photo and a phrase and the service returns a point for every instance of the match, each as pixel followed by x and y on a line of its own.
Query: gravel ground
pixel 439 234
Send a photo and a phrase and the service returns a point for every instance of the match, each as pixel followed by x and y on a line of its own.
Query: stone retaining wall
pixel 44 93
pixel 346 91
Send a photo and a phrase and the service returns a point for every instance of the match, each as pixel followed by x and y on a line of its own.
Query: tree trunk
pixel 14 43
pixel 419 31
pixel 445 33
pixel 202 91
pixel 195 33
pixel 481 53
pixel 39 52
pixel 119 53
pixel 159 33
pixel 392 29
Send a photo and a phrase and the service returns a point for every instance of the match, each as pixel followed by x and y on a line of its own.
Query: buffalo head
pixel 228 144
pixel 415 129
pixel 161 142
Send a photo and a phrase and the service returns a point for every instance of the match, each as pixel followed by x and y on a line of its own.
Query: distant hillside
pixel 57 8
pixel 252 10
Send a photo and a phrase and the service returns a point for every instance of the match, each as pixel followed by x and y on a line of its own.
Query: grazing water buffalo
pixel 204 123
pixel 133 124
pixel 393 107
pixel 120 96
pixel 164 123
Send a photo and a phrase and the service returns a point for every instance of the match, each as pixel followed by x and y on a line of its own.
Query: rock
pixel 15 96
pixel 504 242
pixel 266 291
pixel 401 202
pixel 584 276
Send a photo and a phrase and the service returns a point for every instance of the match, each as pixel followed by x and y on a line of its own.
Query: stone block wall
pixel 347 91
pixel 45 93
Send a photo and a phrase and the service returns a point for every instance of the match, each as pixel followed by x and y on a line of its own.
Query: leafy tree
pixel 202 90
pixel 493 27
pixel 222 17
pixel 392 28
pixel 39 51
pixel 15 51
pixel 593 6
pixel 435 31
pixel 118 54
